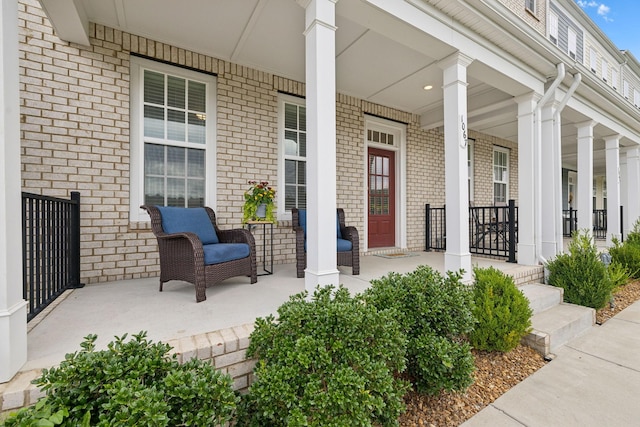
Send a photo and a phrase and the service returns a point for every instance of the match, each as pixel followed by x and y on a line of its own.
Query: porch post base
pixel 313 279
pixel 527 254
pixel 455 262
pixel 13 336
pixel 549 250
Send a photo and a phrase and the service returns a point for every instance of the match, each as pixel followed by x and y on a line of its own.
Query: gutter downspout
pixel 577 78
pixel 538 156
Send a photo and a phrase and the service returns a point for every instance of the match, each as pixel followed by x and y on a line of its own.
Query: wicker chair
pixel 184 257
pixel 348 235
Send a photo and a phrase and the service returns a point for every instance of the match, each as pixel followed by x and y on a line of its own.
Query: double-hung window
pixel 500 174
pixel 572 43
pixel 292 192
pixel 553 28
pixel 173 130
pixel 530 5
pixel 593 59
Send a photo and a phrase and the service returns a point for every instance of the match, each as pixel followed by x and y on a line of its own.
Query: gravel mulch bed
pixel 495 374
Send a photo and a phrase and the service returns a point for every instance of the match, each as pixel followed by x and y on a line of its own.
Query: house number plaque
pixel 463 127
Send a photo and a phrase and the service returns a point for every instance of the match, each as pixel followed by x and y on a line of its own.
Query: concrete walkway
pixel 593 381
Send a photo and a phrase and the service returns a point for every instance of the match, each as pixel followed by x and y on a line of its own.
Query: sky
pixel 618 19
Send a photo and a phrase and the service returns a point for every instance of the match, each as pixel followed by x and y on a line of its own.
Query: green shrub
pixel 585 279
pixel 627 254
pixel 502 311
pixel 131 383
pixel 326 361
pixel 435 313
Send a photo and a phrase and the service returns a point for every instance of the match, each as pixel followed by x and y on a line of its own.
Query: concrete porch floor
pixel 130 306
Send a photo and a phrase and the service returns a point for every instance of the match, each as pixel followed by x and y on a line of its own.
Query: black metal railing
pixel 493 230
pixel 570 222
pixel 435 228
pixel 599 223
pixel 50 248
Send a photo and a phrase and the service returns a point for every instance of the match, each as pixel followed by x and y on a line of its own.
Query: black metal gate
pixel 50 248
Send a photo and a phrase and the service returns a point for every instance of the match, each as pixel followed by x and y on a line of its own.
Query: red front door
pixel 381 198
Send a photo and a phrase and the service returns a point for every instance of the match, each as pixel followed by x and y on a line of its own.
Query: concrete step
pixel 554 327
pixel 542 297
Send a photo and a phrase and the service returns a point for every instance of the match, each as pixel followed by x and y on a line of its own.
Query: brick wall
pixel 538 19
pixel 75 137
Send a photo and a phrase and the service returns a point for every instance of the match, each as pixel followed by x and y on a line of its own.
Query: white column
pixel 526 182
pixel 13 309
pixel 321 143
pixel 613 187
pixel 548 184
pixel 585 176
pixel 633 184
pixel 624 194
pixel 457 255
pixel 557 180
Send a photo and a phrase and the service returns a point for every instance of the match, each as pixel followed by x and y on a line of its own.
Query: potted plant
pixel 258 202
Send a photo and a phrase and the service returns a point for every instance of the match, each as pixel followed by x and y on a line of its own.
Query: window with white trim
pixel 500 174
pixel 636 97
pixel 605 70
pixel 553 28
pixel 625 89
pixel 172 135
pixel 530 5
pixel 593 59
pixel 293 154
pixel 614 78
pixel 572 43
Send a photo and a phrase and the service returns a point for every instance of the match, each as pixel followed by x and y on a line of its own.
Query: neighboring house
pixel 165 102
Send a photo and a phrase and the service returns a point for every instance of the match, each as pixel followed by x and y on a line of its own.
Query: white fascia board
pixel 68 19
pixel 602 117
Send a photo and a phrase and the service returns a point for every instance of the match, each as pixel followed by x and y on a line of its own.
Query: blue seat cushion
pixel 344 245
pixel 195 220
pixel 222 252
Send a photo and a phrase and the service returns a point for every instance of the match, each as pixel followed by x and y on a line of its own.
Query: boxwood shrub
pixel 328 360
pixel 435 313
pixel 132 383
pixel 501 309
pixel 586 280
pixel 627 253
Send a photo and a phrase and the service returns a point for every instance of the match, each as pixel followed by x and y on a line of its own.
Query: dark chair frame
pixel 182 255
pixel 347 258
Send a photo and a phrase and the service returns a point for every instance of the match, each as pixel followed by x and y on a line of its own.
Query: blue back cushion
pixel 343 245
pixel 302 220
pixel 195 220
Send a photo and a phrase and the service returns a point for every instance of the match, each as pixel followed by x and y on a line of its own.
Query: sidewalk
pixel 593 381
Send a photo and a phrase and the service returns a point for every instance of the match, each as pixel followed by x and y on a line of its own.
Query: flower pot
pixel 261 212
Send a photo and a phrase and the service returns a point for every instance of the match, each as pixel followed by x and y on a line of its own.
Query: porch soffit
pixel 381 56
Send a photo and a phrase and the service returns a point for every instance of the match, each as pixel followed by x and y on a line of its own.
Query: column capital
pixel 586 124
pixel 456 58
pixel 527 97
pixel 612 142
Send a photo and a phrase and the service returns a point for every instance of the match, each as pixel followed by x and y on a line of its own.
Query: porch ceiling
pixel 389 65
